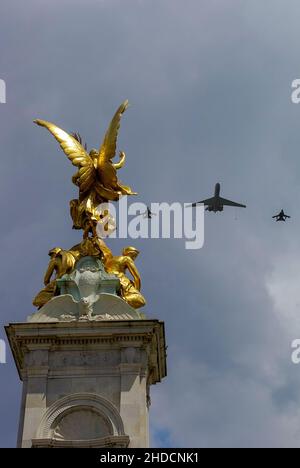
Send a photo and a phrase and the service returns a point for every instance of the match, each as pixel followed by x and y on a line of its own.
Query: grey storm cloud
pixel 210 90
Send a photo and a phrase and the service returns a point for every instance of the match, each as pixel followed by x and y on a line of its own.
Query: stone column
pixel 86 384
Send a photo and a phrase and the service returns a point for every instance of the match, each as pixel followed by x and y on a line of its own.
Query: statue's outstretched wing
pixel 86 175
pixel 108 147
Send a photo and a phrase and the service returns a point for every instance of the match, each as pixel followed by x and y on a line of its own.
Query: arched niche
pixel 83 420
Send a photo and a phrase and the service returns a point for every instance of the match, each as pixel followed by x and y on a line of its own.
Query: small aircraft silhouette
pixel 217 203
pixel 148 213
pixel 281 216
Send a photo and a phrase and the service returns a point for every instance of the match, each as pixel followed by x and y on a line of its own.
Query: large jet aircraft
pixel 281 216
pixel 217 203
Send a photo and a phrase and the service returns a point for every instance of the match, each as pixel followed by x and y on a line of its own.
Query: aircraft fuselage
pixel 216 204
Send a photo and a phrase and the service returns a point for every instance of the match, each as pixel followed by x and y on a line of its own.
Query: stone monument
pixel 88 356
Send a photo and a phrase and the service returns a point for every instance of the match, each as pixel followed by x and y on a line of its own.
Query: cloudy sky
pixel 209 84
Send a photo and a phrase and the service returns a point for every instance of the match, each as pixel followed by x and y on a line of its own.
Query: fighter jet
pixel 281 216
pixel 217 203
pixel 148 213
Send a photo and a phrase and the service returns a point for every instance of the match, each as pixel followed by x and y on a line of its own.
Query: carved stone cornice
pixel 131 335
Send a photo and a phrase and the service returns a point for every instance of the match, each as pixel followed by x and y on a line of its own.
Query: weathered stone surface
pixel 86 384
pixel 88 293
pixel 66 309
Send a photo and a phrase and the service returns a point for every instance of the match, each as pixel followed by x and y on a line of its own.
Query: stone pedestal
pixel 86 384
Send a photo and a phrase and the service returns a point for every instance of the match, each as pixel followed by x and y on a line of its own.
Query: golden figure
pixel 97 181
pixel 61 262
pixel 97 174
pixel 88 247
pixel 130 289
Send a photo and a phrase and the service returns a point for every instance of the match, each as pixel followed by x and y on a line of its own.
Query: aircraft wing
pixel 206 202
pixel 231 203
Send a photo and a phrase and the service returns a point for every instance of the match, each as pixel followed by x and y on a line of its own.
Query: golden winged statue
pixel 96 177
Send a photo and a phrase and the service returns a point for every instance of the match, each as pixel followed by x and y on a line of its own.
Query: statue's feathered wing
pixel 108 170
pixel 86 175
pixel 108 147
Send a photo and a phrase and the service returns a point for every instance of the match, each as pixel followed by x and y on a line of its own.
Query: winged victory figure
pixel 96 177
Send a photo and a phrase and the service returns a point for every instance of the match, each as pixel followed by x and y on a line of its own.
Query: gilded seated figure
pixel 118 265
pixel 61 262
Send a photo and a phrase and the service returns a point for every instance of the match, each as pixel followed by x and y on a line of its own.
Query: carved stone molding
pixel 104 442
pixel 65 422
pixel 139 341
